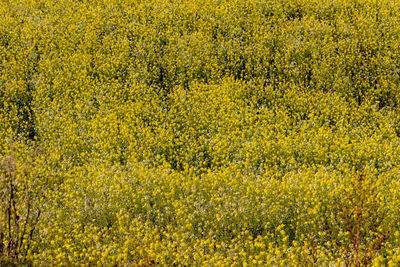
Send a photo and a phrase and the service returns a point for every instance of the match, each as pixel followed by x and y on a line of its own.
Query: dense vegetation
pixel 195 132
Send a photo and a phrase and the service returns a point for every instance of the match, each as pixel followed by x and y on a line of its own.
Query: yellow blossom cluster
pixel 200 132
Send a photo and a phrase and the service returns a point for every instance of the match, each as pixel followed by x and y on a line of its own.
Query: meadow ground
pixel 200 132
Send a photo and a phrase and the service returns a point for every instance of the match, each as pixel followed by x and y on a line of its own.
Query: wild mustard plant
pixel 234 132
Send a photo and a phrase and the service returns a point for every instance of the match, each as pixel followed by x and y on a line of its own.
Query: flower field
pixel 200 132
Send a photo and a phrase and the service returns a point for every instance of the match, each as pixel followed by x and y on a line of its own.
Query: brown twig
pixel 360 207
pixel 31 234
pixel 9 220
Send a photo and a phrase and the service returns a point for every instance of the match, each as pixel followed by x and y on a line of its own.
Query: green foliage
pixel 233 132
